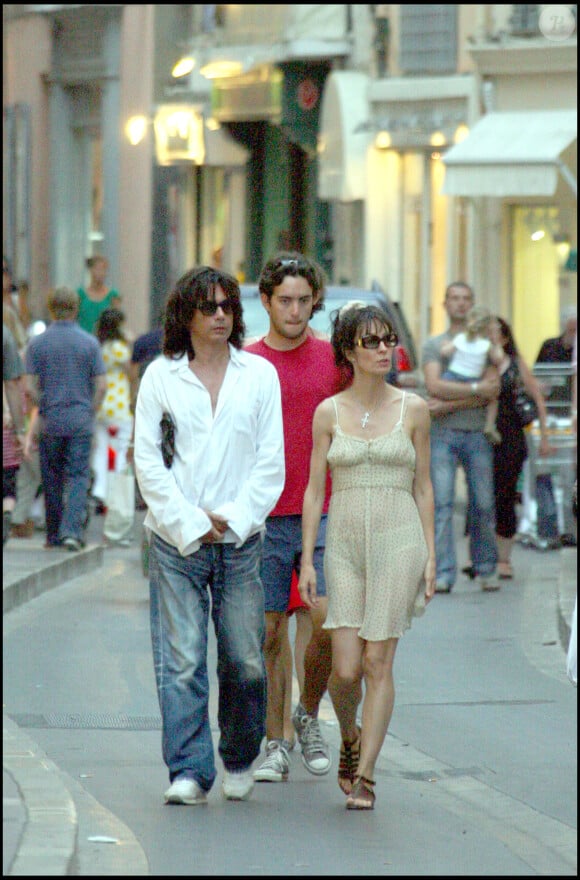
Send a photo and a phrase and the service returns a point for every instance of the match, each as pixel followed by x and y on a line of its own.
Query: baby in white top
pixel 469 353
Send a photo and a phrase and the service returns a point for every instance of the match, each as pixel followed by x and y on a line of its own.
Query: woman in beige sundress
pixel 380 549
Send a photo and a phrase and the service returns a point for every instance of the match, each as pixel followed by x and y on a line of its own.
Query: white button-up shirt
pixel 230 462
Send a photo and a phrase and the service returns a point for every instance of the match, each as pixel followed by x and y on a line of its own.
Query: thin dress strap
pixel 335 411
pixel 402 416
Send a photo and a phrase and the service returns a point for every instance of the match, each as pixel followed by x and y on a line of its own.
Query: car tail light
pixel 404 364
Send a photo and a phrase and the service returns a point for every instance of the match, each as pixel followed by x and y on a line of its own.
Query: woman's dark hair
pixel 108 326
pixel 293 263
pixel 351 322
pixel 195 287
pixel 509 345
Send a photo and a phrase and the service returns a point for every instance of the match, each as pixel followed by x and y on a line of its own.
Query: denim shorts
pixel 281 556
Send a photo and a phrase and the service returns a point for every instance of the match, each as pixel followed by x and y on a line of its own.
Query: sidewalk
pixel 40 818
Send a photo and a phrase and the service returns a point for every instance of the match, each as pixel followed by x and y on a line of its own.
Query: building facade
pixel 333 129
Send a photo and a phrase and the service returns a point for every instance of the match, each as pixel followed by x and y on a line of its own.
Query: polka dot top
pixel 116 403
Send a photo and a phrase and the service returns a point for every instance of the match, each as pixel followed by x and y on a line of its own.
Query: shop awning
pixel 342 145
pixel 511 154
pixel 223 151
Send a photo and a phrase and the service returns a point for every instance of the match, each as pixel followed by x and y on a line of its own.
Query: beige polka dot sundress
pixel 375 547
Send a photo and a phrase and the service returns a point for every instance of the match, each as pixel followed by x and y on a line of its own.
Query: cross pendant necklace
pixel 368 413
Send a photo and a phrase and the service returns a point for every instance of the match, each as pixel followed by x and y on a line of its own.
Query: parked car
pixel 336 296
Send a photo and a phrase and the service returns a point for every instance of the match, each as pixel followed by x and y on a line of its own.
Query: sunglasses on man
pixel 209 307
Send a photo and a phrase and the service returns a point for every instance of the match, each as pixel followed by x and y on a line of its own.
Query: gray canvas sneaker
pixel 276 764
pixel 315 752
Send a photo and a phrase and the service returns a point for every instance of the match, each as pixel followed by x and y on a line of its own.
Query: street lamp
pixel 179 133
pixel 136 129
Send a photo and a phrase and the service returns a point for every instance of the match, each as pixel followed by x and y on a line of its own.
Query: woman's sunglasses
pixel 371 340
pixel 297 265
pixel 209 307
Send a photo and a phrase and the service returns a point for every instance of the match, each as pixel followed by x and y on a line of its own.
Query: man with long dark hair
pixel 209 458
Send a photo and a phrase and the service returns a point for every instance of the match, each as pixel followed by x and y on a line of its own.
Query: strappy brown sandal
pixel 348 764
pixel 362 796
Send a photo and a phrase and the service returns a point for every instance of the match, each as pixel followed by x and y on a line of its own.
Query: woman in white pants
pixel 114 424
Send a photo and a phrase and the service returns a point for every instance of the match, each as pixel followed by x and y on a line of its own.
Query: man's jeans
pixel 450 448
pixel 179 613
pixel 66 476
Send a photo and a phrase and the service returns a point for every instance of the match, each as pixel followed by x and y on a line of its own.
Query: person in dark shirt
pixel 555 350
pixel 558 350
pixel 146 348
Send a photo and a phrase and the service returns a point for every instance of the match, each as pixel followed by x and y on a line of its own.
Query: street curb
pixel 566 596
pixel 65 569
pixel 51 816
pixel 49 837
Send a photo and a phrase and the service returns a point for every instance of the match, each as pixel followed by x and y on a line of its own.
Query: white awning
pixel 342 149
pixel 222 150
pixel 511 154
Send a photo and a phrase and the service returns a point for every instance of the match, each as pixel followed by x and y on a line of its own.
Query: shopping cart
pixel 560 465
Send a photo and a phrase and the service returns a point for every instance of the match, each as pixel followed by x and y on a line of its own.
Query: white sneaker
pixel 185 791
pixel 487 585
pixel 237 785
pixel 276 764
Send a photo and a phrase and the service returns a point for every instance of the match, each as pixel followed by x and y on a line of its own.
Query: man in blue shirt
pixel 457 438
pixel 65 376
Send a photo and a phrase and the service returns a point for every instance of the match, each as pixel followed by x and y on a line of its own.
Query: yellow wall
pixel 439 239
pixel 536 305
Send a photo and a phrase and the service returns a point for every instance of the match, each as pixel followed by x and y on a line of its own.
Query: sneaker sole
pixel 238 797
pixel 270 777
pixel 185 802
pixel 314 770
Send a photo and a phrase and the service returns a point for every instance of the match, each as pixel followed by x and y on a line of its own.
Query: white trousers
pixel 100 454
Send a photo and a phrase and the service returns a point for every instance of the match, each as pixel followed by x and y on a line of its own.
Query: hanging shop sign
pixel 179 134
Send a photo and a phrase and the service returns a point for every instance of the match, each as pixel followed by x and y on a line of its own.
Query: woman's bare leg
pixel 345 683
pixel 302 638
pixel 379 699
pixel 287 665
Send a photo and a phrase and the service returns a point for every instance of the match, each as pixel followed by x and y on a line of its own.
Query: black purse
pixel 524 406
pixel 168 429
